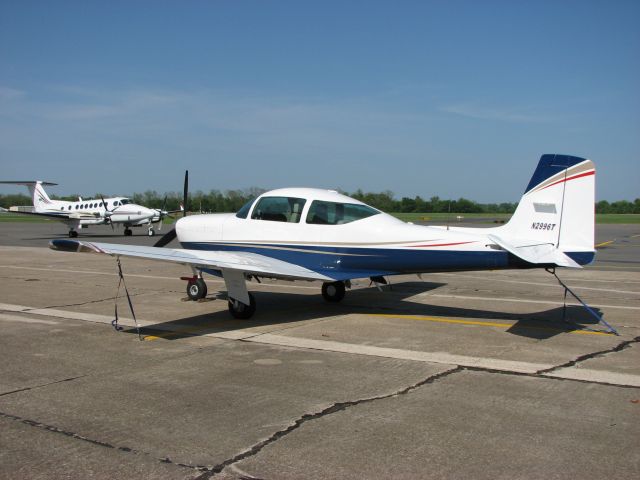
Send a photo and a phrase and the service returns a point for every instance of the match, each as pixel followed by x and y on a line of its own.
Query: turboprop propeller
pixel 107 212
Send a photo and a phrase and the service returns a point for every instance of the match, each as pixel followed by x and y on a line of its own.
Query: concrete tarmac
pixel 456 375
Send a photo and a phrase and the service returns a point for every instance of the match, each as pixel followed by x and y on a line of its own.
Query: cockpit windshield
pixel 244 210
pixel 124 201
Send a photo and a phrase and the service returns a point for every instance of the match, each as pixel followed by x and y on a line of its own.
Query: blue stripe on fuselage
pixel 357 262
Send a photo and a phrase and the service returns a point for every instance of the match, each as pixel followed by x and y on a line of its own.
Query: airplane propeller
pixel 107 212
pixel 171 234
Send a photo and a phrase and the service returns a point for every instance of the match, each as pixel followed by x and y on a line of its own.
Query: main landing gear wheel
pixel 73 234
pixel 196 289
pixel 127 232
pixel 333 291
pixel 240 310
pixel 152 232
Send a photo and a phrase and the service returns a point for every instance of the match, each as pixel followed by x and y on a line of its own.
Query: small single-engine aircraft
pixel 81 214
pixel 311 234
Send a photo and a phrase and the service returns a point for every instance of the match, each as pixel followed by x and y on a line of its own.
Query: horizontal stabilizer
pixel 28 183
pixel 537 254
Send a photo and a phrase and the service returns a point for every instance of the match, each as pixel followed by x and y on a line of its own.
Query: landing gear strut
pixel 241 311
pixel 196 289
pixel 333 291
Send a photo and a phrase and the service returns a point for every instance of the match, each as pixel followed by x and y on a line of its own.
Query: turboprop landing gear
pixel 151 232
pixel 196 288
pixel 240 310
pixel 333 291
pixel 73 234
pixel 127 232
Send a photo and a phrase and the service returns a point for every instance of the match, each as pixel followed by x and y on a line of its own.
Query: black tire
pixel 73 234
pixel 152 232
pixel 127 232
pixel 333 291
pixel 196 289
pixel 241 311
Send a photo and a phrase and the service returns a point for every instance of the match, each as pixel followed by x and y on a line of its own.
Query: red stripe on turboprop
pixel 441 244
pixel 592 172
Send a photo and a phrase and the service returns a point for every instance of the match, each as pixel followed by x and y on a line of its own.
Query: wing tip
pixel 75 246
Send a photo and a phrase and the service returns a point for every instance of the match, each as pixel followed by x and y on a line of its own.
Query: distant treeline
pixel 232 200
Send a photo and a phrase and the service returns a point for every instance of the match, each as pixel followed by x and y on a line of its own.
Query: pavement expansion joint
pixel 26 389
pixel 621 346
pixel 335 408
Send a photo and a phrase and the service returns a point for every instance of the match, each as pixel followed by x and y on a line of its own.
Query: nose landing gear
pixel 196 288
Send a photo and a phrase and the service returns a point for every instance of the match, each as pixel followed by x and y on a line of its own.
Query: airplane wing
pixel 58 216
pixel 245 262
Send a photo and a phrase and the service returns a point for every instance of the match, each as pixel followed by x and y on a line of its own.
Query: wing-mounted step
pixel 537 254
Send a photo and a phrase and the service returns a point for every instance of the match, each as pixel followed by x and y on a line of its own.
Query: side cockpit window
pixel 334 213
pixel 278 209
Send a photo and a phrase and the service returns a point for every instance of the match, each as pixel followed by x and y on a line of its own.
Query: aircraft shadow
pixel 288 308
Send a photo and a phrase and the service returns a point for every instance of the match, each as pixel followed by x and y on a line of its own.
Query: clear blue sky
pixel 447 98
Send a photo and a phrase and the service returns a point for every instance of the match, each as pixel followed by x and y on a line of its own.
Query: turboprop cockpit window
pixel 278 209
pixel 125 201
pixel 333 213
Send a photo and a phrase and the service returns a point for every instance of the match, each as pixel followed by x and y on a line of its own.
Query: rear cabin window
pixel 334 213
pixel 279 209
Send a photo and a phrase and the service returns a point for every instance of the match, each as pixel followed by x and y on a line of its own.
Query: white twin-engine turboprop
pixel 311 234
pixel 81 214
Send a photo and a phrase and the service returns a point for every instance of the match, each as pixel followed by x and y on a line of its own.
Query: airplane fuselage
pixel 377 243
pixel 118 210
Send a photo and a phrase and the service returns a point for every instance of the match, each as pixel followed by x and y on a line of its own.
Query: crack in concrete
pixel 335 408
pixel 26 389
pixel 100 443
pixel 621 346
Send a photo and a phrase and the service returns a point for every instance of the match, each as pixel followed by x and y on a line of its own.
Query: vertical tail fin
pixel 39 197
pixel 557 207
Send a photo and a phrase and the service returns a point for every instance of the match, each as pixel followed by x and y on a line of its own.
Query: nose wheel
pixel 127 232
pixel 196 289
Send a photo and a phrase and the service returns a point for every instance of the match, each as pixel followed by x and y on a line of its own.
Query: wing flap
pixel 250 263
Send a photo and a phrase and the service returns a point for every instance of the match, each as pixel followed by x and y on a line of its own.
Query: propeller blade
pixel 171 234
pixel 166 238
pixel 163 213
pixel 107 213
pixel 185 196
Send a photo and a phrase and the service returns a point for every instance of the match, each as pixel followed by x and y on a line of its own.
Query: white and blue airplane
pixel 83 213
pixel 312 234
